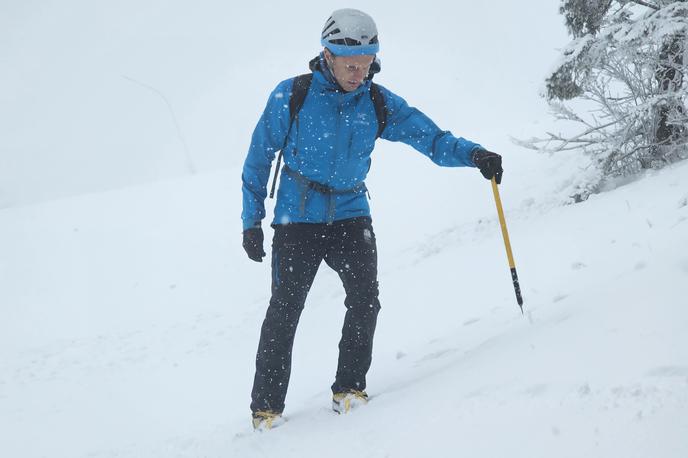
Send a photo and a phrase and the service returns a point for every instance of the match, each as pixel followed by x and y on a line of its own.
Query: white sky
pixel 71 123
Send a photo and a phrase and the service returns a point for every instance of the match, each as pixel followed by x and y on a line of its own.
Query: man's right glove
pixel 253 243
pixel 490 164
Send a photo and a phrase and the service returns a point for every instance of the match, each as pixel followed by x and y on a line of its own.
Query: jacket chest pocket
pixel 362 132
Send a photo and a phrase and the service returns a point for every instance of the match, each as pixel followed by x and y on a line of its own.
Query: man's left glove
pixel 253 243
pixel 490 164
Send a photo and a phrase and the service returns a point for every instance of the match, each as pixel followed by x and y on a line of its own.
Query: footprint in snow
pixel 536 390
pixel 682 203
pixel 437 354
pixel 584 390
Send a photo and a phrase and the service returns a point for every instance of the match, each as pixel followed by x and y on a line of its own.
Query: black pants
pixel 348 247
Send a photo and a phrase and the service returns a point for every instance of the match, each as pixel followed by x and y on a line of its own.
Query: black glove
pixel 490 164
pixel 253 243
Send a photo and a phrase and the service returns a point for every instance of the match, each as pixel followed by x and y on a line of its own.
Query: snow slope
pixel 130 321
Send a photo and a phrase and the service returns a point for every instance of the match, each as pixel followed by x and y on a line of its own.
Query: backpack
pixel 299 90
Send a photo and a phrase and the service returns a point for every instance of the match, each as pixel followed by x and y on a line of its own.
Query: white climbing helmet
pixel 350 32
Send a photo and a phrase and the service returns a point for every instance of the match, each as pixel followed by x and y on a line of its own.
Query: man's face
pixel 349 71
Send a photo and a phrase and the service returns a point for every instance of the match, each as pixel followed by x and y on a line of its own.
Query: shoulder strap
pixel 380 108
pixel 299 90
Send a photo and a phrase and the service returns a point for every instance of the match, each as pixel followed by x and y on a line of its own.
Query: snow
pixel 130 316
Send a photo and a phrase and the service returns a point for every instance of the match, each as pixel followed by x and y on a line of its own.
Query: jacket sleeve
pixel 411 126
pixel 268 138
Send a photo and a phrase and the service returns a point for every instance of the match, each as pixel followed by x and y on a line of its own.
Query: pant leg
pixel 352 253
pixel 297 251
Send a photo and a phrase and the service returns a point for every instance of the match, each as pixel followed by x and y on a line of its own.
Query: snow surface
pixel 130 317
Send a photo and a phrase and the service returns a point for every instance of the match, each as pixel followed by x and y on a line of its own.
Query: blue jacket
pixel 331 145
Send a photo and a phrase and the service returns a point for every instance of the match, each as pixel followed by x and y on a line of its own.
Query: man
pixel 322 211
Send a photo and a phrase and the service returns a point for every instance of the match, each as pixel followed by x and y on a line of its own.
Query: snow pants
pixel 348 247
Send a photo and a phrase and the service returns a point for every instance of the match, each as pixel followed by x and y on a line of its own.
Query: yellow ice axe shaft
pixel 507 244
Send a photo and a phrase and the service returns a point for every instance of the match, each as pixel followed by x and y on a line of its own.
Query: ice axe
pixel 507 244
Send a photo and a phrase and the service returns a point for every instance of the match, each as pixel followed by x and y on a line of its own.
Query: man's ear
pixel 329 57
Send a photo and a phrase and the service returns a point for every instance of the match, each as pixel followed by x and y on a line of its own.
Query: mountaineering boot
pixel 347 400
pixel 264 420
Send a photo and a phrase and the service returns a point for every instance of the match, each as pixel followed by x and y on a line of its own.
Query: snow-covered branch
pixel 627 64
pixel 649 5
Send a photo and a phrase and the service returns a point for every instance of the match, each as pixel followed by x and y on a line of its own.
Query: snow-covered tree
pixel 625 65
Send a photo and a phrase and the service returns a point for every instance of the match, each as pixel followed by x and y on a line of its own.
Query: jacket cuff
pixel 475 150
pixel 251 224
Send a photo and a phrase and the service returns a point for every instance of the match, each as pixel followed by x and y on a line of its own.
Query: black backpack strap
pixel 380 108
pixel 299 90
